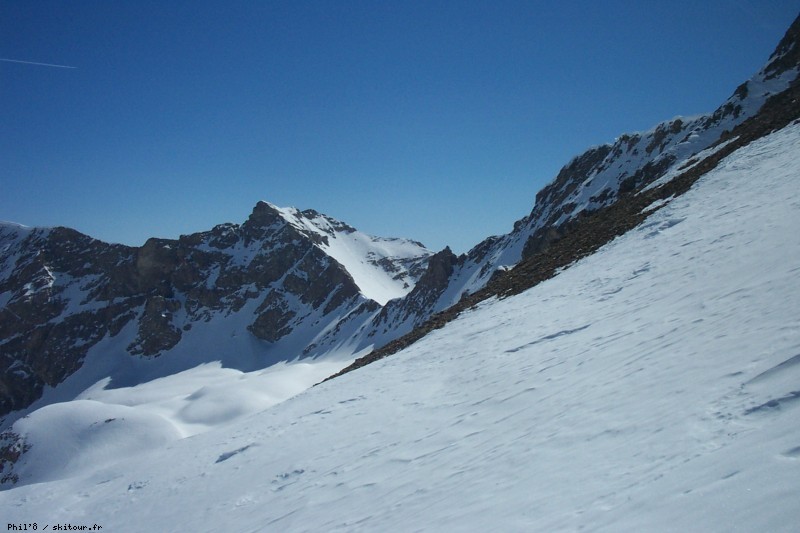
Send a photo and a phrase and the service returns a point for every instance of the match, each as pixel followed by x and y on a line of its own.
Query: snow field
pixel 103 424
pixel 650 387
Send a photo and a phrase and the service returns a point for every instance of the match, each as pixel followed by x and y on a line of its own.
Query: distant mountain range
pixel 283 284
pixel 289 284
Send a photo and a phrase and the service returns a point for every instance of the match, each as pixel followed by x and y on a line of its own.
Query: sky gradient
pixel 437 121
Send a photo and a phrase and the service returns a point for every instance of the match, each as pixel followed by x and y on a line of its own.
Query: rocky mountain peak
pixel 271 285
pixel 266 221
pixel 264 214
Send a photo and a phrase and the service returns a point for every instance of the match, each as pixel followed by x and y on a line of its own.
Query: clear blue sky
pixel 437 121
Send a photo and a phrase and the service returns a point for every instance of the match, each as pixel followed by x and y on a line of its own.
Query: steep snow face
pixel 383 268
pixel 649 387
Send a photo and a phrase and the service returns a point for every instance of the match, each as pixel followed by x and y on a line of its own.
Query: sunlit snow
pixel 360 253
pixel 653 386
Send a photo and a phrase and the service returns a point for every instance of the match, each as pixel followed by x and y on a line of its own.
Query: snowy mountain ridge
pixel 383 268
pixel 271 288
pixel 597 178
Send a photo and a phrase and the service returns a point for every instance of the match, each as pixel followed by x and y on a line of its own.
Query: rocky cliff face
pixel 276 278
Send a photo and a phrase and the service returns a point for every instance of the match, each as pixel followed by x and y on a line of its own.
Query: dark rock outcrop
pixel 414 309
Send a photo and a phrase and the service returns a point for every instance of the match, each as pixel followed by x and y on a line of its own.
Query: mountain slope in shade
pixel 651 386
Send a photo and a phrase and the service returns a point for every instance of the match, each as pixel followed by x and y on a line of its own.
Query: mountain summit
pixel 249 295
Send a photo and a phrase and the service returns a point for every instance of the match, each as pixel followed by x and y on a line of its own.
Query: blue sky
pixel 437 121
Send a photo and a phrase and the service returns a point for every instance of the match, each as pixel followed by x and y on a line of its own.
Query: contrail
pixel 34 63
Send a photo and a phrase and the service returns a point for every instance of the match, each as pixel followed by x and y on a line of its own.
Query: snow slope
pixel 378 265
pixel 653 386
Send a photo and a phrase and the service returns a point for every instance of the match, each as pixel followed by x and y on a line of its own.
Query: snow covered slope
pixel 653 386
pixel 383 268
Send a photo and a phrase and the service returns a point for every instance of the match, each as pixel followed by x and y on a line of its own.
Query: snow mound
pixel 73 437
